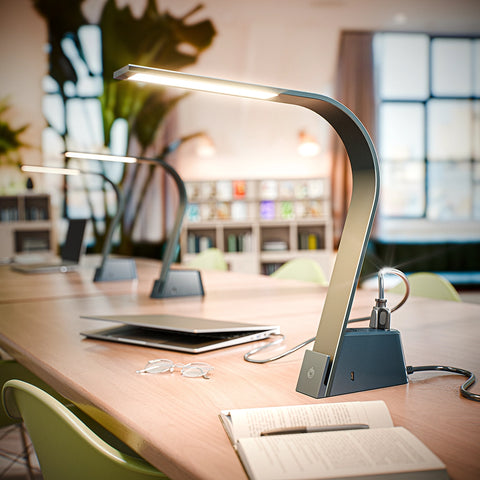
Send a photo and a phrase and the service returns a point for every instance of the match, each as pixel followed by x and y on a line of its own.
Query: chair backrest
pixel 305 269
pixel 209 259
pixel 65 446
pixel 12 369
pixel 429 285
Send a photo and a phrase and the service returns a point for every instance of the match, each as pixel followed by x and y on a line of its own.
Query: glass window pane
pixel 452 67
pixel 476 171
pixel 476 68
pixel 476 202
pixel 449 130
pixel 91 41
pixel 402 131
pixel 84 125
pixel 53 111
pixel 402 189
pixel 449 191
pixel 476 130
pixel 402 65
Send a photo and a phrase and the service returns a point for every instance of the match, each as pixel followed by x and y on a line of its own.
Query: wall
pixel 282 43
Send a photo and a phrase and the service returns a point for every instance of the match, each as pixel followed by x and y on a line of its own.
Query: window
pixel 74 122
pixel 428 126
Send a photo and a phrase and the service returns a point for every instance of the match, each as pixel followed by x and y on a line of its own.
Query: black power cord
pixel 463 389
pixel 380 318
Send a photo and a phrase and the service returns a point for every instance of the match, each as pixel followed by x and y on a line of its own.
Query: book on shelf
pixel 198 243
pixel 267 210
pixel 239 189
pixel 350 440
pixel 241 242
pixel 287 211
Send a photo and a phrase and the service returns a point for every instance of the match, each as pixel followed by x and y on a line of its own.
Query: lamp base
pixel 179 283
pixel 116 269
pixel 368 359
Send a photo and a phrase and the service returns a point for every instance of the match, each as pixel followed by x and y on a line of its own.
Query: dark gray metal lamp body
pixel 348 360
pixel 370 358
pixel 175 283
pixel 114 269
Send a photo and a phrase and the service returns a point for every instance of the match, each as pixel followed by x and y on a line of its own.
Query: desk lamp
pixel 172 283
pixel 342 360
pixel 110 269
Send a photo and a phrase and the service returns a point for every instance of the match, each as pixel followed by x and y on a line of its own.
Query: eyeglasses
pixel 192 370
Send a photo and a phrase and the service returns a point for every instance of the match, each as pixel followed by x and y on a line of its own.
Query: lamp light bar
pixel 188 81
pixel 100 156
pixel 55 170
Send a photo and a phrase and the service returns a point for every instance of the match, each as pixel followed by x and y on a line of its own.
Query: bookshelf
pixel 25 224
pixel 259 224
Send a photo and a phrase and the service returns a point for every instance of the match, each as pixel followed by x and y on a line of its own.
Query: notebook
pixel 174 332
pixel 70 252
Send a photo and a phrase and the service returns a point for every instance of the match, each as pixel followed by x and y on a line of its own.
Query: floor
pixel 12 465
pixel 10 439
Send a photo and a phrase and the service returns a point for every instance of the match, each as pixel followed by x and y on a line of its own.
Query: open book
pixel 360 442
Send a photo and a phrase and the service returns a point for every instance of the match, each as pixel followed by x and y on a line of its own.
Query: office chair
pixel 429 285
pixel 304 269
pixel 209 259
pixel 11 369
pixel 66 447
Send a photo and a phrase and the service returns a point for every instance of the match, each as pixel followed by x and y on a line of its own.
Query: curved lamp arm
pixel 173 239
pixel 107 243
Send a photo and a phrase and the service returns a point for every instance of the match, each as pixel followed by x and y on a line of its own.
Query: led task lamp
pixel 172 283
pixel 110 269
pixel 343 360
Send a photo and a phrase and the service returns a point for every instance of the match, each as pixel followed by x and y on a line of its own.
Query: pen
pixel 305 429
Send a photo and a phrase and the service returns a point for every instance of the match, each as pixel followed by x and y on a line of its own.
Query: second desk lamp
pixel 172 282
pixel 110 269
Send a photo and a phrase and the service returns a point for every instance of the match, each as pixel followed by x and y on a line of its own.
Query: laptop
pixel 70 252
pixel 175 332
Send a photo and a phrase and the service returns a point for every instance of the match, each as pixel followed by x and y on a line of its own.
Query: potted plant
pixel 12 180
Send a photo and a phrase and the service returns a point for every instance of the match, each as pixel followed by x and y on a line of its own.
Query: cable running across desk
pixel 410 369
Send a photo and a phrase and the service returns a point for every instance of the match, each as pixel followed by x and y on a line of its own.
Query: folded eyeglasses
pixel 192 369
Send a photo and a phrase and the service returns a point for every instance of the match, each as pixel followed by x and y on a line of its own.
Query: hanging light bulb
pixel 307 145
pixel 205 146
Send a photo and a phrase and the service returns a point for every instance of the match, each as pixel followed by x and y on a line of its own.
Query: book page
pixel 252 422
pixel 353 453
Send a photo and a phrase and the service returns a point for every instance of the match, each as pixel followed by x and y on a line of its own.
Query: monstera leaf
pixel 10 142
pixel 157 39
pixel 63 20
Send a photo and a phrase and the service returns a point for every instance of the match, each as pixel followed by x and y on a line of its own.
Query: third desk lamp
pixel 342 360
pixel 110 269
pixel 172 282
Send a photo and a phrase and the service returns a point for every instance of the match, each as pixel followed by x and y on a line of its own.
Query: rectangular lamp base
pixel 116 269
pixel 368 359
pixel 179 283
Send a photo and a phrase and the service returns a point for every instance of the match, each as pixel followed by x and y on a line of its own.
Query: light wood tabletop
pixel 18 286
pixel 173 421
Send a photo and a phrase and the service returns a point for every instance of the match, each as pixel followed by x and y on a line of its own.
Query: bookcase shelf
pixel 259 224
pixel 25 224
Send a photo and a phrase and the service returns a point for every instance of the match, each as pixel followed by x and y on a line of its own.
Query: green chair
pixel 11 369
pixel 66 447
pixel 209 259
pixel 304 269
pixel 429 285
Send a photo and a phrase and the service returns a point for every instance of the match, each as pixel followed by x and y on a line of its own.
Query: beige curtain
pixel 354 87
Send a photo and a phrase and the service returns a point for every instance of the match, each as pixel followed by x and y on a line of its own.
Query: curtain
pixel 354 87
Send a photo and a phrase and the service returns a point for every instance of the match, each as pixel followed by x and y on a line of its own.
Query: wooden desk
pixel 173 421
pixel 27 287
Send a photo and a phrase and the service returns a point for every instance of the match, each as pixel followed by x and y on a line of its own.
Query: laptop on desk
pixel 70 252
pixel 174 332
